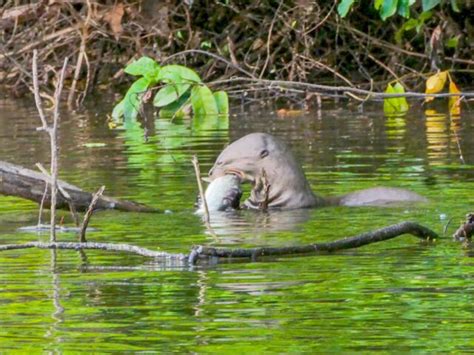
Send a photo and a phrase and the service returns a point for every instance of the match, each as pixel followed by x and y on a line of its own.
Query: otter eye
pixel 263 153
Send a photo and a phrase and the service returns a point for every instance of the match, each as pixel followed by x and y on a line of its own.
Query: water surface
pixel 394 296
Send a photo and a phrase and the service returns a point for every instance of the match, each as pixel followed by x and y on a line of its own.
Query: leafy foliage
pixel 436 83
pixel 180 88
pixel 388 8
pixel 395 105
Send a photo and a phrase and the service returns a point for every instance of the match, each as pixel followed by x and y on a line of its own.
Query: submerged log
pixel 25 183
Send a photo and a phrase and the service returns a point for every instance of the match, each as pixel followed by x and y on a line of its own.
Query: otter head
pixel 258 154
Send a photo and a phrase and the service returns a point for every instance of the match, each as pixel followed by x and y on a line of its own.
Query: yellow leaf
pixel 435 84
pixel 431 113
pixel 454 101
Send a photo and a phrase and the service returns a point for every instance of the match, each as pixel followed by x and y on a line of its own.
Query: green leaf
pixel 203 101
pixel 407 26
pixel 404 8
pixel 132 99
pixel 144 66
pixel 424 16
pixel 177 74
pixel 177 108
pixel 117 112
pixel 344 7
pixel 388 8
pixel 222 102
pixel 169 94
pixel 429 4
pixel 377 4
pixel 452 42
pixel 395 105
pixel 454 6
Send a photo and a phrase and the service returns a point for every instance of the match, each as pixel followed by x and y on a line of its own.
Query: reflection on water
pixel 397 296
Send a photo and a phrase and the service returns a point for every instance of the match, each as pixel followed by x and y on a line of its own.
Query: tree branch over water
pixel 203 252
pixel 21 182
pixel 357 241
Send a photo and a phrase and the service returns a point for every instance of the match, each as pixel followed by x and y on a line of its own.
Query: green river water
pixel 399 295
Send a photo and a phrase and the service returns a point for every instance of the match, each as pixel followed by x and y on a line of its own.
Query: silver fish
pixel 222 193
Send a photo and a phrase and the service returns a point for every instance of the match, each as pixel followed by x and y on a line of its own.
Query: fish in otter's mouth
pixel 222 194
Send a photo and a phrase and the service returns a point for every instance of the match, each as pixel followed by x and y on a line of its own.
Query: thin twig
pixel 95 246
pixel 269 37
pixel 88 215
pixel 387 68
pixel 40 212
pixel 64 193
pixel 53 133
pixel 272 84
pixel 201 190
pixel 215 56
pixel 82 53
pixel 39 105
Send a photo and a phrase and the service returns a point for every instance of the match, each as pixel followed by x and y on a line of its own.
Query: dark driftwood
pixel 25 183
pixel 202 252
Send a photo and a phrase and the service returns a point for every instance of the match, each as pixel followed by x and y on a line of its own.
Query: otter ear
pixel 263 153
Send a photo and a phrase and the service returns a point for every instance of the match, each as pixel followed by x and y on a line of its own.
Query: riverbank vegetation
pixel 356 44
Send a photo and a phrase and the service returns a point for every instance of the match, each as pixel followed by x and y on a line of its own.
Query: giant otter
pixel 258 153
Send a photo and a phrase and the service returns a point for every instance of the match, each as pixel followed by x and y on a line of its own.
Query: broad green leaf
pixel 422 19
pixel 388 8
pixel 454 6
pixel 404 8
pixel 144 66
pixel 452 42
pixel 407 26
pixel 178 74
pixel 169 94
pixel 203 101
pixel 210 123
pixel 402 101
pixel 377 4
pixel 222 102
pixel 178 108
pixel 344 7
pixel 117 112
pixel 132 100
pixel 395 105
pixel 429 4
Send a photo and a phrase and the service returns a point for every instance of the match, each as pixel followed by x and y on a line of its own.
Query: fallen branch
pixel 203 252
pixel 25 183
pixel 96 246
pixel 283 84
